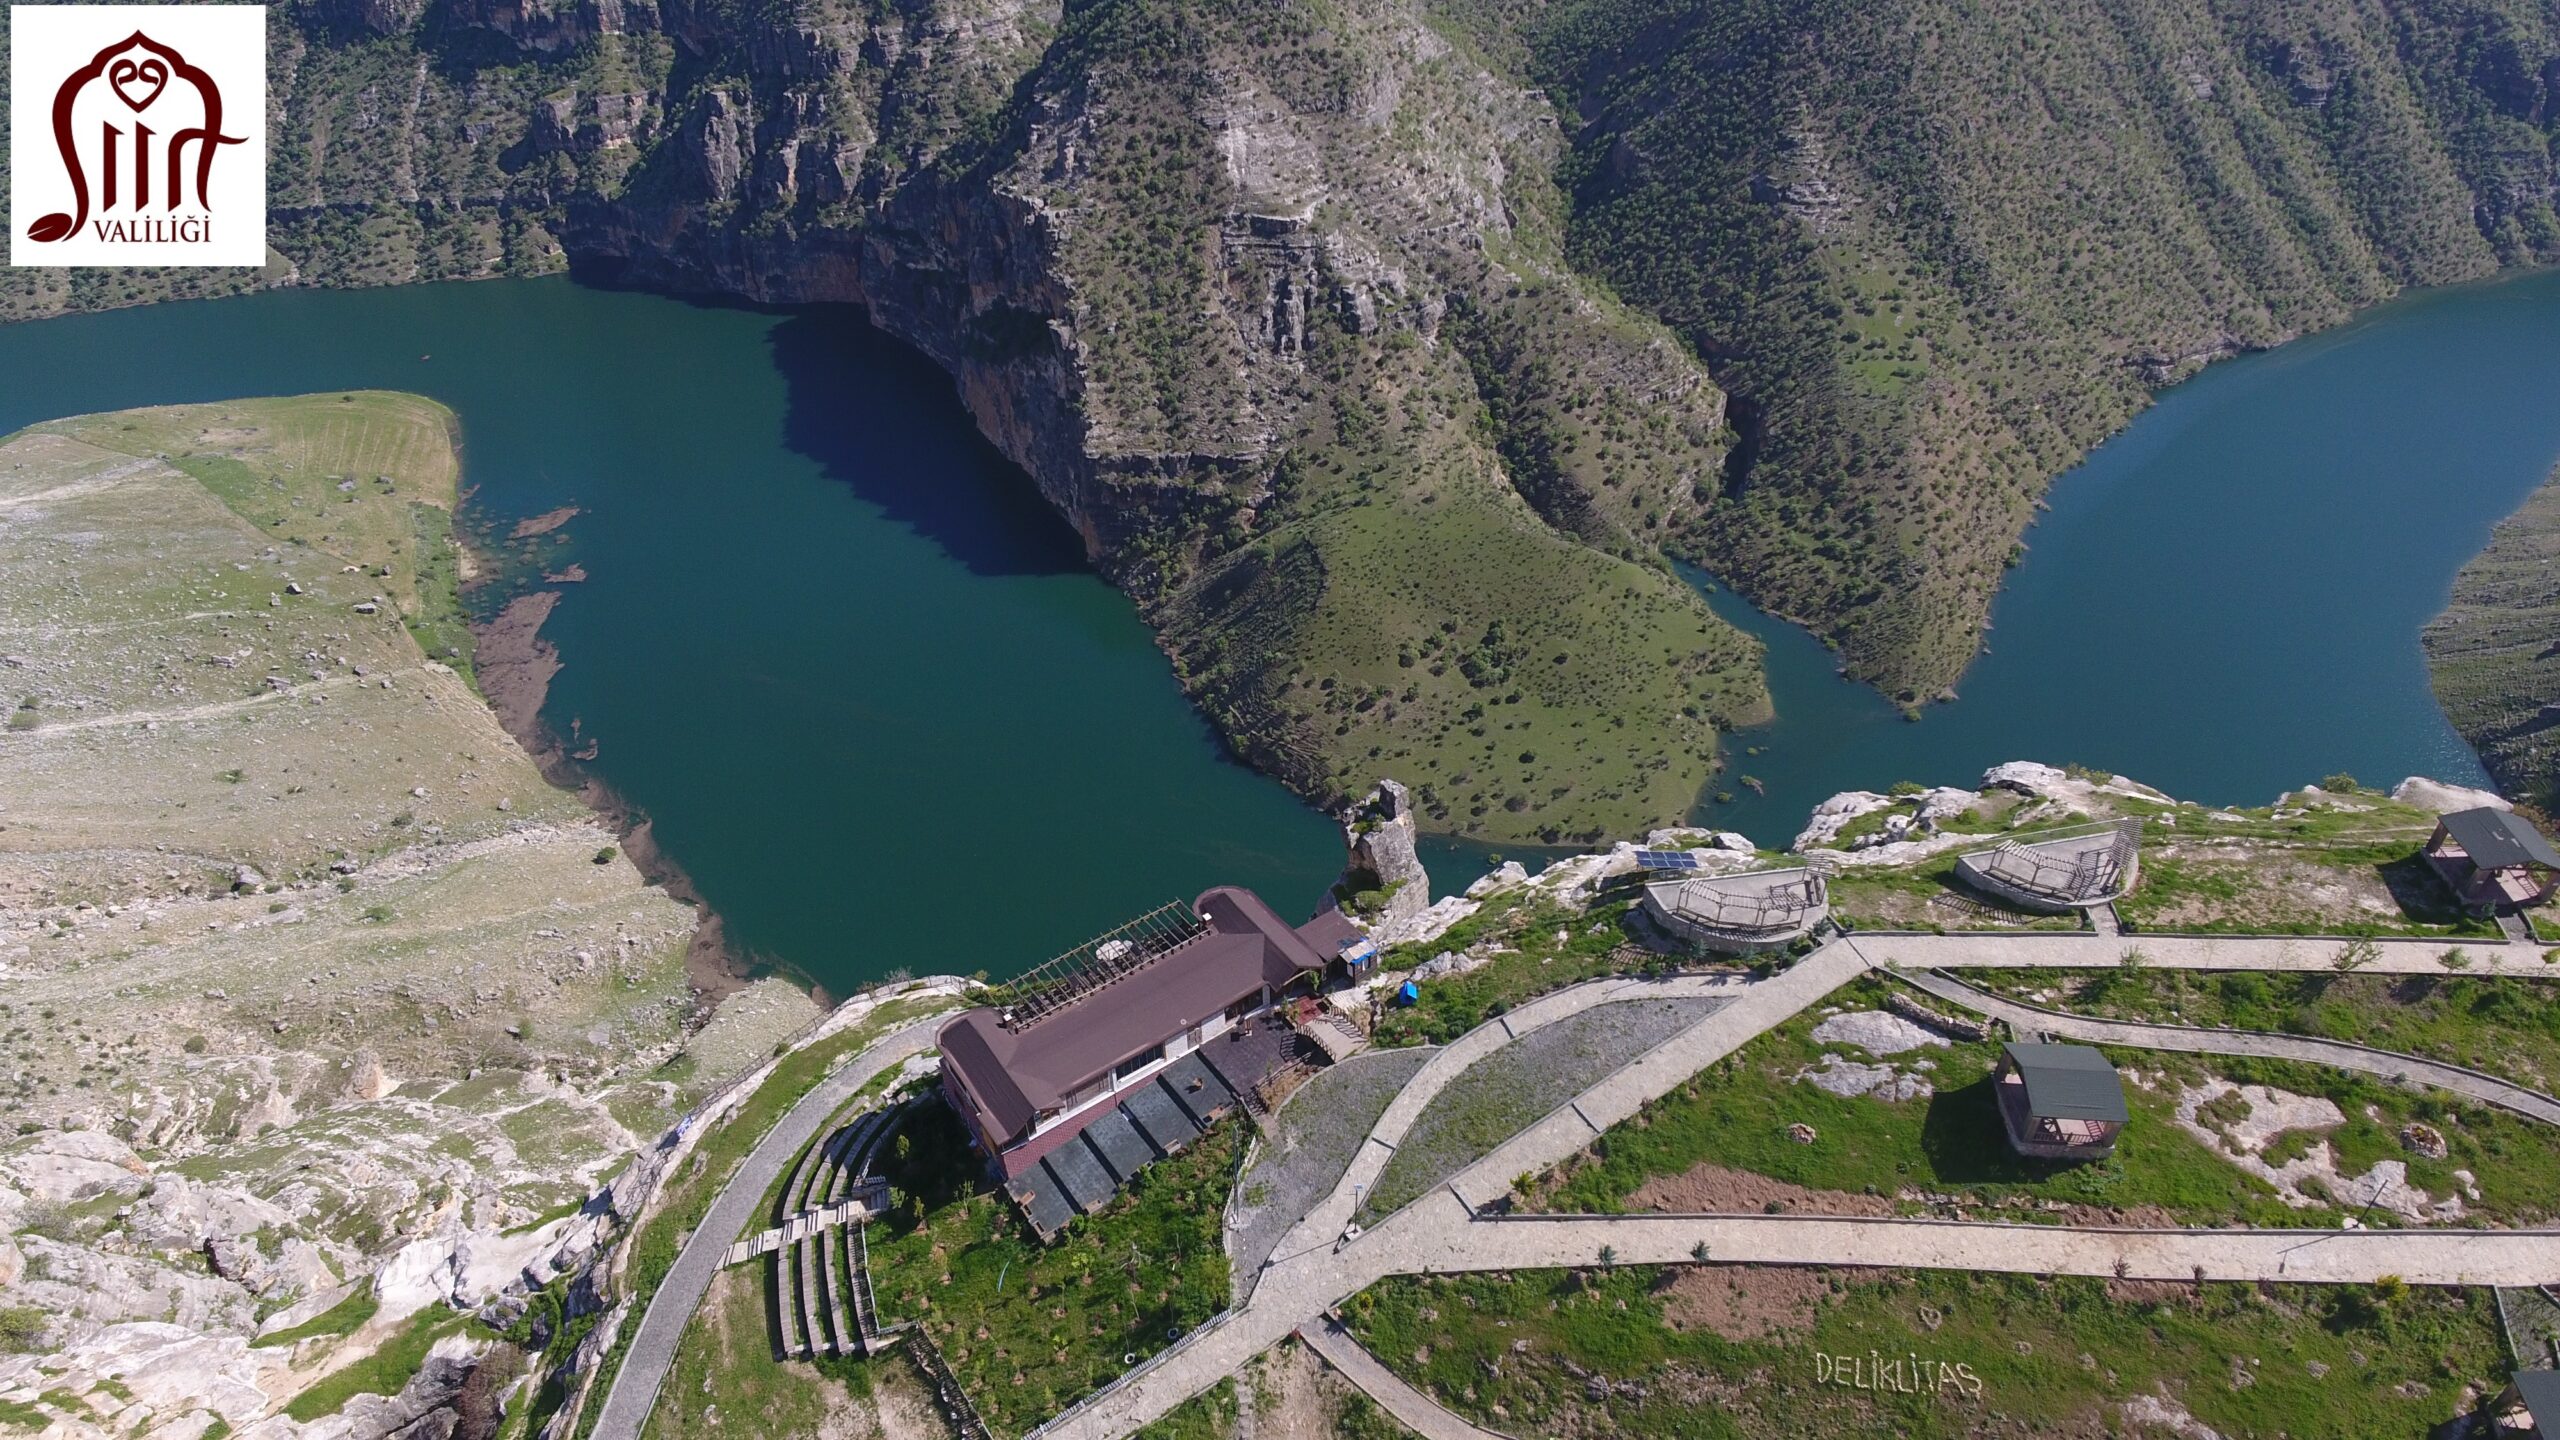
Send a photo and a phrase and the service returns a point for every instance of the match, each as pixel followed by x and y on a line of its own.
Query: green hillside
pixel 1387 351
pixel 2494 654
pixel 1937 250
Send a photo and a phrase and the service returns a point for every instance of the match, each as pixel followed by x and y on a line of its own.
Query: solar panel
pixel 1667 859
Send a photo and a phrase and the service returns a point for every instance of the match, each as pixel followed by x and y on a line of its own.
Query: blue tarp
pixel 1407 993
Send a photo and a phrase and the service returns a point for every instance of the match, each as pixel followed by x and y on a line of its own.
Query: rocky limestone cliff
pixel 1293 313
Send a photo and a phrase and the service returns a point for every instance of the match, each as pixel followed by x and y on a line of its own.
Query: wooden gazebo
pixel 2059 1102
pixel 2494 861
pixel 2527 1408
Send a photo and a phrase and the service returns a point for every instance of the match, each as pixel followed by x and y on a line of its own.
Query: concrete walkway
pixel 2391 1065
pixel 1411 1408
pixel 1618 1097
pixel 1442 1232
pixel 651 1350
pixel 1454 1058
pixel 1308 1273
pixel 2055 949
pixel 2421 1257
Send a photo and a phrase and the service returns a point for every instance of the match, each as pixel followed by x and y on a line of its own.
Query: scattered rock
pixel 1802 1133
pixel 1876 1032
pixel 1848 1079
pixel 2424 1140
pixel 2161 1413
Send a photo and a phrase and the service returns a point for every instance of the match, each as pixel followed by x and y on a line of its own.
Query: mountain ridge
pixel 1387 353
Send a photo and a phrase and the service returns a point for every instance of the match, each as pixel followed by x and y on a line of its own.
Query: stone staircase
pixel 821 1265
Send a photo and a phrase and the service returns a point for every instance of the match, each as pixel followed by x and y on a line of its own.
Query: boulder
pixel 1511 873
pixel 1833 815
pixel 231 1257
pixel 419 1274
pixel 67 1165
pixel 2444 799
pixel 2028 778
pixel 172 1370
pixel 1432 922
pixel 2423 1140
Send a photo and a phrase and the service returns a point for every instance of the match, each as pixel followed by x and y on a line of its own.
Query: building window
pixel 1121 1072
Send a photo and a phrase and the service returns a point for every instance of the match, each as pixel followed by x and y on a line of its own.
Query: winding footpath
pixel 651 1350
pixel 1414 1409
pixel 2390 1065
pixel 1447 1231
pixel 1449 1228
pixel 2081 950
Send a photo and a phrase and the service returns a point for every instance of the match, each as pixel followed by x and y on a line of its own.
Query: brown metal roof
pixel 2068 1082
pixel 1013 1075
pixel 2499 840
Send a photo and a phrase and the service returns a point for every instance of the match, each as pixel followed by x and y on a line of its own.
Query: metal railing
pixel 2086 874
pixel 1780 906
pixel 1055 984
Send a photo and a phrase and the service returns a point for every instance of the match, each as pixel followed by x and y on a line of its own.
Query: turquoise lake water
pixel 856 672
pixel 848 662
pixel 2225 599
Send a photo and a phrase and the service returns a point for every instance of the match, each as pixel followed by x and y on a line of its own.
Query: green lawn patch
pixel 2512 1161
pixel 2501 1026
pixel 1031 1328
pixel 385 1371
pixel 2044 1357
pixel 340 1319
pixel 1736 1114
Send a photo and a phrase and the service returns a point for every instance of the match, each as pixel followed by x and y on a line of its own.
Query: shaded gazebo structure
pixel 2528 1409
pixel 2059 1102
pixel 2495 863
pixel 1738 914
pixel 2075 870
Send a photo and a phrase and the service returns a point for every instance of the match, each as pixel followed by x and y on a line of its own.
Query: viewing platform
pixel 2072 870
pixel 1737 914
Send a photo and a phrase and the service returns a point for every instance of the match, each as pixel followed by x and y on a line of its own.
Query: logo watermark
pixel 137 134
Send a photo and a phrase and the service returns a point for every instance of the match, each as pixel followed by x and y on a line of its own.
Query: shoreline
pixel 515 664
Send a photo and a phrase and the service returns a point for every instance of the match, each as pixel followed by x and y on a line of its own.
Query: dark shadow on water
pixel 883 419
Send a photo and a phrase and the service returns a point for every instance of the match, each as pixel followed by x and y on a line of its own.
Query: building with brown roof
pixel 1104 1023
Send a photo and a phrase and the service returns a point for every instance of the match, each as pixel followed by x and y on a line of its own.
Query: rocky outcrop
pixel 1379 833
pixel 2444 799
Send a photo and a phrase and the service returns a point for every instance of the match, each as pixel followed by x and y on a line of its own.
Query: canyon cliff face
pixel 1382 349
